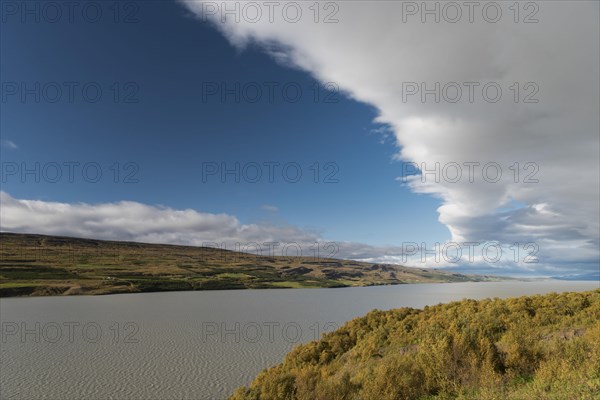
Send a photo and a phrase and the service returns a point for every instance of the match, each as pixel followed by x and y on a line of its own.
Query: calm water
pixel 189 345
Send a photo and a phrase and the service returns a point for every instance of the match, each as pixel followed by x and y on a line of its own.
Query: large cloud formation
pixel 381 52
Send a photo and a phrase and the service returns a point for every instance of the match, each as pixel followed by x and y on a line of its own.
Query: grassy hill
pixel 539 347
pixel 52 265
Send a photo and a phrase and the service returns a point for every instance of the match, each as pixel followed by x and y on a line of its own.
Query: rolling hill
pixel 42 265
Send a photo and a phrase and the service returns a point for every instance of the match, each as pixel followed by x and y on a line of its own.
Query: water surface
pixel 190 345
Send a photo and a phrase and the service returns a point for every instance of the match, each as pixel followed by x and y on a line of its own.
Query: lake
pixel 190 345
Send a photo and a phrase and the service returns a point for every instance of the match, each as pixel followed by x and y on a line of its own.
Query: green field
pixel 38 265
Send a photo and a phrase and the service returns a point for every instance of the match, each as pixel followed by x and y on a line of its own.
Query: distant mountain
pixel 42 265
pixel 580 277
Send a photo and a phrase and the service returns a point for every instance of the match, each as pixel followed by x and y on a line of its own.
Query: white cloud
pixel 270 208
pixel 133 221
pixel 372 55
pixel 9 144
pixel 128 220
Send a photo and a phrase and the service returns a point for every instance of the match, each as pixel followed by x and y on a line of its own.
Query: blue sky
pixel 165 115
pixel 171 131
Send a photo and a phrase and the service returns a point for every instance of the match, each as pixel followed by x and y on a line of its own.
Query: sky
pixel 381 131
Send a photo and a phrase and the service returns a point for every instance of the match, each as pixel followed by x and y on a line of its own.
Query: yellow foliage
pixel 537 347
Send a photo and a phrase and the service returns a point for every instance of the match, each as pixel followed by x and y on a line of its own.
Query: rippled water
pixel 189 345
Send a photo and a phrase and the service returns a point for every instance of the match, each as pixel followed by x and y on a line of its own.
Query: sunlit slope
pixel 53 265
pixel 539 347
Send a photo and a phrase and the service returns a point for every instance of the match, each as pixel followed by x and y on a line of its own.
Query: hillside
pixel 52 265
pixel 539 347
